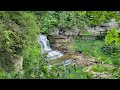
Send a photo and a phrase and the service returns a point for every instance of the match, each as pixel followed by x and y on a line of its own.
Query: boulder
pixel 110 25
pixel 65 32
pixel 98 29
pixel 103 27
pixel 74 32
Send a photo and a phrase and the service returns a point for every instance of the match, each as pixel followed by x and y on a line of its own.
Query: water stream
pixel 51 54
pixel 45 48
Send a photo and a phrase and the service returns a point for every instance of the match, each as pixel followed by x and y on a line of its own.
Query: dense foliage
pixel 18 37
pixel 18 34
pixel 49 20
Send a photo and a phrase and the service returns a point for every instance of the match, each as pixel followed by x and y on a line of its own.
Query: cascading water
pixel 42 40
pixel 51 54
pixel 45 48
pixel 54 54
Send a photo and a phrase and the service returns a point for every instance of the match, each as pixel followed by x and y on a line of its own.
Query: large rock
pixel 65 32
pixel 97 29
pixel 110 25
pixel 74 32
pixel 103 27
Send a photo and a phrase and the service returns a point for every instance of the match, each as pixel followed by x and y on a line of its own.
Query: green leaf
pixel 78 71
pixel 72 76
pixel 53 68
pixel 102 17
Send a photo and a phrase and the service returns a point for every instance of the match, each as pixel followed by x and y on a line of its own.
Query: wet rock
pixel 67 62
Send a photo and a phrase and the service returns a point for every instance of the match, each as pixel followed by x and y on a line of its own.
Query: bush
pixel 18 33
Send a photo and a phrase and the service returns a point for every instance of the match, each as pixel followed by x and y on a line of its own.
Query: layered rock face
pixel 104 27
pixel 65 32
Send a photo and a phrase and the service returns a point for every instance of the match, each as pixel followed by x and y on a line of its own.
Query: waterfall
pixel 45 48
pixel 42 40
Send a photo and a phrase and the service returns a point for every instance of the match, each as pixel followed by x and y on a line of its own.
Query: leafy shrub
pixel 112 37
pixel 18 33
pixel 69 72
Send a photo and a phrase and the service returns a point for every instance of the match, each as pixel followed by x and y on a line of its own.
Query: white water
pixel 45 47
pixel 54 54
pixel 42 40
pixel 67 62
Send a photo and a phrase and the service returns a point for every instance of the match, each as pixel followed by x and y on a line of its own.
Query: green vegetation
pixel 89 47
pixel 104 54
pixel 18 39
pixel 18 32
pixel 48 20
pixel 98 49
pixel 69 72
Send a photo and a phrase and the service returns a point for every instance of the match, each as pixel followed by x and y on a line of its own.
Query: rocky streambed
pixel 63 44
pixel 72 57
